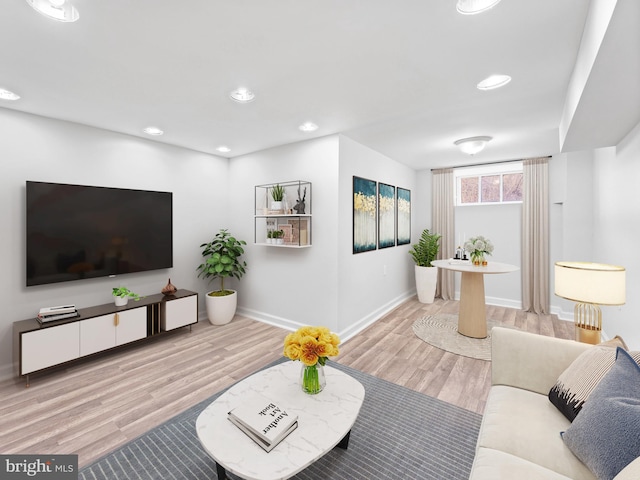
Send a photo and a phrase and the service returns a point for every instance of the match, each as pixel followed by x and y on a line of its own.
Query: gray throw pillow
pixel 605 435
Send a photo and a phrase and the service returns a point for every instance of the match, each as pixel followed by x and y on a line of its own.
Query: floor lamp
pixel 590 285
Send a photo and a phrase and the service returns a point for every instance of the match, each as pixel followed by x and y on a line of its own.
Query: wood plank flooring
pixel 94 406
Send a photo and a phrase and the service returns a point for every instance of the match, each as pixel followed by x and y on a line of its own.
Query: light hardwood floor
pixel 92 407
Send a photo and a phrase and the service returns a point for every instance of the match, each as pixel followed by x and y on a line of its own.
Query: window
pixel 491 184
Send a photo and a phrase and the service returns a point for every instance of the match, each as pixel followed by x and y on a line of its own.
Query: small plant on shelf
pixel 277 193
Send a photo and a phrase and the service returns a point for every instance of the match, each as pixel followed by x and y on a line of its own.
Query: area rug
pixel 399 434
pixel 441 331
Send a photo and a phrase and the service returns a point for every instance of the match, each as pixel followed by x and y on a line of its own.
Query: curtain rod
pixel 488 163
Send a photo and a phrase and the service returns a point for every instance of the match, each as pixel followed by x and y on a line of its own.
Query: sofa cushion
pixel 525 424
pixel 605 434
pixel 576 383
pixel 492 464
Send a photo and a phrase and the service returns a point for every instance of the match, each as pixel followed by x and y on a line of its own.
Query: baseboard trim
pixel 344 334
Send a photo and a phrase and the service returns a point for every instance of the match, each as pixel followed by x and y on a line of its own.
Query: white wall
pixel 370 283
pixel 40 149
pixel 285 286
pixel 324 284
pixel 616 229
pixel 571 185
pixel 502 224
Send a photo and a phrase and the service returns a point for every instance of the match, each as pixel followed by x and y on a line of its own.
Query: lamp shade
pixel 590 282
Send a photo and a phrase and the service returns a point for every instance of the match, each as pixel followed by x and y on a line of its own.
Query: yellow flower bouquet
pixel 312 346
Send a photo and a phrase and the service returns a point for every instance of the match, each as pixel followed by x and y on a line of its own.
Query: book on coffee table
pixel 266 422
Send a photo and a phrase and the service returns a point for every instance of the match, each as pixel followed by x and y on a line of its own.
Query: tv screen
pixel 76 232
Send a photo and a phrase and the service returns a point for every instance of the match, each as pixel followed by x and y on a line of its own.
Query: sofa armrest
pixel 530 361
pixel 630 472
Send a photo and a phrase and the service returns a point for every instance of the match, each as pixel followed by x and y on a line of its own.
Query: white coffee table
pixel 324 421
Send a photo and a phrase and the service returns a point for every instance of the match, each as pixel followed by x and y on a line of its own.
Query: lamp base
pixel 588 322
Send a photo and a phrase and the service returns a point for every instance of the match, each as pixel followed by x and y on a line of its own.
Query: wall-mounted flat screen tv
pixel 76 232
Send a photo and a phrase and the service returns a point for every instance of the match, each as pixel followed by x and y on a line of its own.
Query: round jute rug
pixel 441 331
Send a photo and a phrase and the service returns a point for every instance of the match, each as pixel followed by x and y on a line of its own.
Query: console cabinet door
pixel 97 334
pixel 180 312
pixel 132 325
pixel 49 346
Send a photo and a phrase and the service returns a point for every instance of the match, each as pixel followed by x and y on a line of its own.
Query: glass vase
pixel 477 258
pixel 312 379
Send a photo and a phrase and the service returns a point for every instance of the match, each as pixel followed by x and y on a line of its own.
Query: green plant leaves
pixel 222 258
pixel 426 250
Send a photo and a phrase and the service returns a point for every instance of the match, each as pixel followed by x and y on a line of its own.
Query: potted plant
pixel 122 295
pixel 278 235
pixel 269 236
pixel 423 253
pixel 221 260
pixel 277 193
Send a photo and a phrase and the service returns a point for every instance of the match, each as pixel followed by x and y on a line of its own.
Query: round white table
pixel 472 318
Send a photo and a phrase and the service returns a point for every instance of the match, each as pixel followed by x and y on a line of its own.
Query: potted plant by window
pixel 423 253
pixel 277 194
pixel 122 295
pixel 221 260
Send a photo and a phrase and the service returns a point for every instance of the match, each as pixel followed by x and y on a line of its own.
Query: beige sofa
pixel 520 432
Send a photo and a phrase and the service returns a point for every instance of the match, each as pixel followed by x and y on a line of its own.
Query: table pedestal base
pixel 472 319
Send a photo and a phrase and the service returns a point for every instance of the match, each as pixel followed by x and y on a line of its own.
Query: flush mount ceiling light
pixel 493 81
pixel 242 95
pixel 308 127
pixel 472 145
pixel 60 10
pixel 472 7
pixel 153 131
pixel 223 149
pixel 8 95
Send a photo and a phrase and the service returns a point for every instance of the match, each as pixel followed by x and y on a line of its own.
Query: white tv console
pixel 37 346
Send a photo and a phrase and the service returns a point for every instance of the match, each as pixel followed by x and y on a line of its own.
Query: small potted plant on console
pixel 122 295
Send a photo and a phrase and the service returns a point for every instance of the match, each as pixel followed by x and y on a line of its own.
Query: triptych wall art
pixel 381 215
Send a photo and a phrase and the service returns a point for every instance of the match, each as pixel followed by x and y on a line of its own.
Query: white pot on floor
pixel 426 281
pixel 220 310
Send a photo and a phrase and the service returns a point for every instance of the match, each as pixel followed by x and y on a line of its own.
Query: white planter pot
pixel 121 301
pixel 276 205
pixel 426 281
pixel 280 241
pixel 220 310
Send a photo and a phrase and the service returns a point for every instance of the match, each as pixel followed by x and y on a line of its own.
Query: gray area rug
pixel 441 331
pixel 399 434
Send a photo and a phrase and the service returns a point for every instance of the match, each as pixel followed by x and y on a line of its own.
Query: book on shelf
pixel 52 318
pixel 57 310
pixel 264 421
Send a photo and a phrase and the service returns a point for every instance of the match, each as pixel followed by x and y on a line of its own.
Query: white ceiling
pixel 397 76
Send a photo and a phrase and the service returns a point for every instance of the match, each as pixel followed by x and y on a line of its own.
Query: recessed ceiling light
pixel 493 81
pixel 153 131
pixel 471 7
pixel 60 10
pixel 472 145
pixel 308 127
pixel 223 149
pixel 242 95
pixel 8 95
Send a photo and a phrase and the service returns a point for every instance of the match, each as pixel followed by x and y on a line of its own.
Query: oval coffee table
pixel 324 421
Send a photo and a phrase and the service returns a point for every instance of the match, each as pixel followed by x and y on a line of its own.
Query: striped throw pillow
pixel 576 383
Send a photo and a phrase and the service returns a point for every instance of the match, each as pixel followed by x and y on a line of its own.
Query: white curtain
pixel 442 223
pixel 535 236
